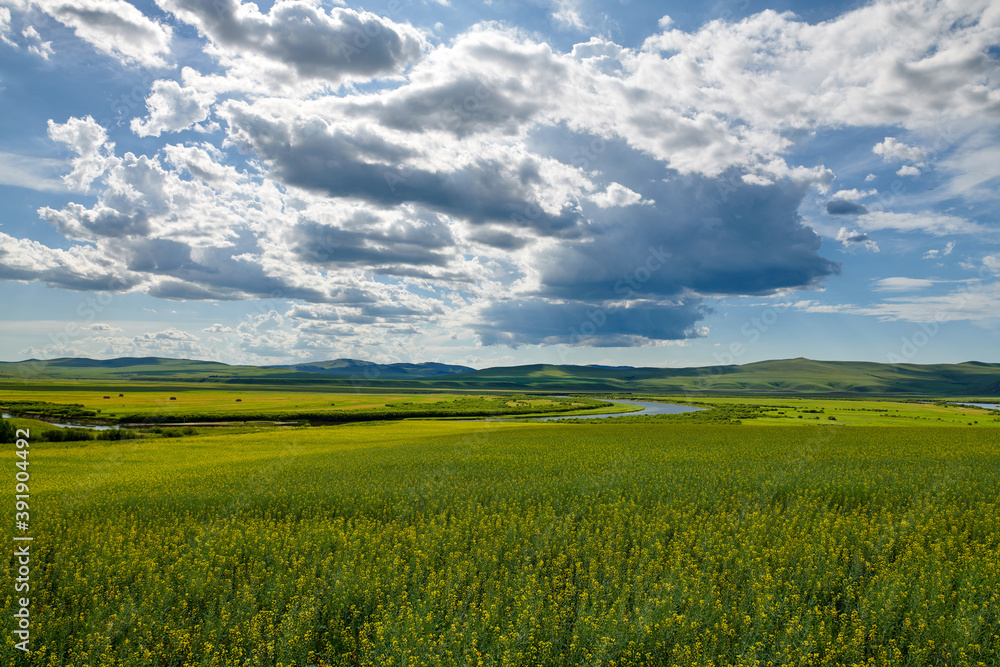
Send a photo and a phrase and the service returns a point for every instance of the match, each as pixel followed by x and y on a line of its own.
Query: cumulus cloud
pixel 907 170
pixel 86 138
pixel 494 184
pixel 301 38
pixel 114 27
pixel 172 109
pixel 853 194
pixel 892 149
pixel 617 194
pixel 78 268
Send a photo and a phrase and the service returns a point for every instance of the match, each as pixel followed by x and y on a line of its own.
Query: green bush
pixel 65 435
pixel 7 431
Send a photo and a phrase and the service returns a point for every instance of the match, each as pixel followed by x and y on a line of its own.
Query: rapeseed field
pixel 432 543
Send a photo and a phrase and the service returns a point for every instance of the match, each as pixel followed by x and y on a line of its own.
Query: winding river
pixel 648 408
pixel 92 428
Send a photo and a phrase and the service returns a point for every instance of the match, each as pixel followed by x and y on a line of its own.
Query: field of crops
pixel 427 543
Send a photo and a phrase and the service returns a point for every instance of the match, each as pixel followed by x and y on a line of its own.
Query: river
pixel 648 408
pixel 92 428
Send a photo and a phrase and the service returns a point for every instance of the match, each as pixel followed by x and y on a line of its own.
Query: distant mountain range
pixel 786 376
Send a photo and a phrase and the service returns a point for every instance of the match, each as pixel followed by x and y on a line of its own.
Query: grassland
pixel 795 411
pixel 439 543
pixel 111 402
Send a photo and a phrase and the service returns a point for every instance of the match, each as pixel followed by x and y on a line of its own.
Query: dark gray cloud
pixel 216 274
pixel 381 247
pixel 844 207
pixel 498 238
pixel 696 238
pixel 700 238
pixel 538 321
pixel 465 105
pixel 76 222
pixel 314 155
pixel 314 43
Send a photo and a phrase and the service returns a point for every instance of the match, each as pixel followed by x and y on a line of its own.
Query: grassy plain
pixel 439 543
pixel 152 401
pixel 797 411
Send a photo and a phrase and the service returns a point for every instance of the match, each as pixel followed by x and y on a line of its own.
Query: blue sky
pixel 557 181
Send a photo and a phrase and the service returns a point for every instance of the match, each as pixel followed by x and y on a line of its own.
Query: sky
pixel 500 183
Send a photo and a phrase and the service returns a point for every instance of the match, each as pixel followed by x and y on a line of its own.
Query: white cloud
pixel 899 284
pixel 617 194
pixel 892 149
pixel 853 238
pixel 976 302
pixel 35 173
pixel 299 41
pixel 907 170
pixel 853 194
pixel 389 184
pixel 567 14
pixel 90 142
pixel 928 222
pixel 974 168
pixel 100 326
pixel 32 41
pixel 114 27
pixel 934 253
pixel 78 268
pixel 139 198
pixel 173 108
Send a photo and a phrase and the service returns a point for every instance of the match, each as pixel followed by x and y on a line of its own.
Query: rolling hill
pixel 786 376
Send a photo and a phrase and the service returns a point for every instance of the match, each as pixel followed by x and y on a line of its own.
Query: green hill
pixel 786 376
pixel 145 368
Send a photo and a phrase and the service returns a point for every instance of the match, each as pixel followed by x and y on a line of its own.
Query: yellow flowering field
pixel 463 543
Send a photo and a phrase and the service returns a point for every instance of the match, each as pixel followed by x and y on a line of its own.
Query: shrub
pixel 7 431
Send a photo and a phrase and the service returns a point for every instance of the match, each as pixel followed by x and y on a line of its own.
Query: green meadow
pixel 863 540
